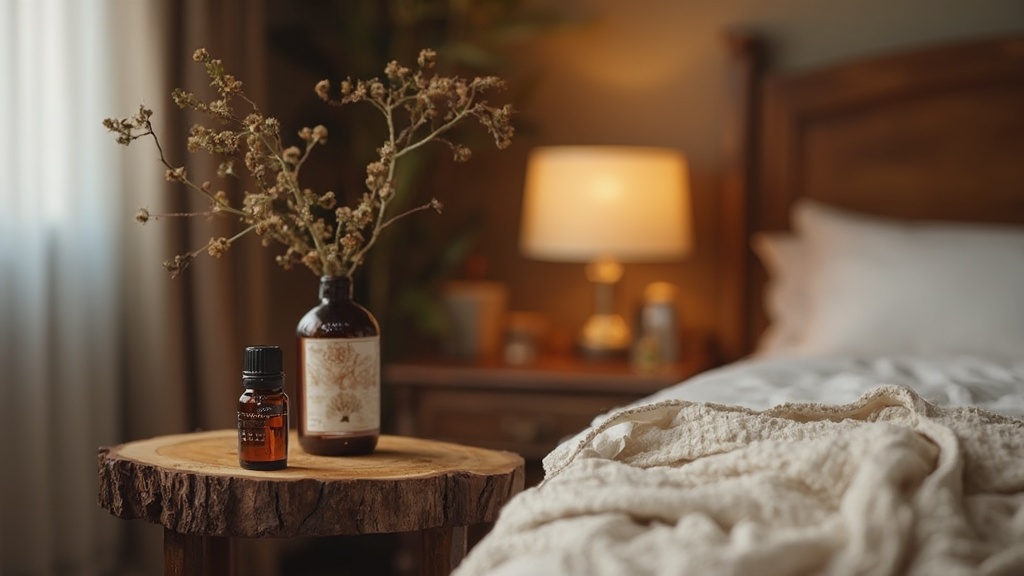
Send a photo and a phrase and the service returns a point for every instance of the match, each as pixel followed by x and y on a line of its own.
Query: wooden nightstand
pixel 524 409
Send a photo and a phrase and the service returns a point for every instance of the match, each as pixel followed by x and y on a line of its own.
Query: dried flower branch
pixel 418 107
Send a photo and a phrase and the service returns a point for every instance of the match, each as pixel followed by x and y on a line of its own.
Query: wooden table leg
pixel 186 555
pixel 460 544
pixel 217 560
pixel 444 548
pixel 183 554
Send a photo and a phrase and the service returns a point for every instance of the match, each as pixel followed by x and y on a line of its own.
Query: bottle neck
pixel 264 385
pixel 264 391
pixel 335 288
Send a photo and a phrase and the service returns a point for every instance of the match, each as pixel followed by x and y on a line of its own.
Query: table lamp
pixel 605 206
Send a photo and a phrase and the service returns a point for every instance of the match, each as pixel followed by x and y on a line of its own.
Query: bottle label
pixel 342 384
pixel 252 427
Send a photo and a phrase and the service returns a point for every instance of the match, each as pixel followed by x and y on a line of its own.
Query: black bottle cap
pixel 263 368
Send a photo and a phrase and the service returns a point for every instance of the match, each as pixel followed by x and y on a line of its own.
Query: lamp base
pixel 605 336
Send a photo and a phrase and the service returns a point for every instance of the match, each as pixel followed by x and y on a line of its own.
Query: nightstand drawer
pixel 523 409
pixel 530 424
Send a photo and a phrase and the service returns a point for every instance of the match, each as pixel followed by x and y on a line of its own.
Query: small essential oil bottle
pixel 263 411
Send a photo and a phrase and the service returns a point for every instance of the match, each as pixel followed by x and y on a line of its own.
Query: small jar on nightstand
pixel 656 343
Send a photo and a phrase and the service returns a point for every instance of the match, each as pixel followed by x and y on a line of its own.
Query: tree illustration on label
pixel 342 384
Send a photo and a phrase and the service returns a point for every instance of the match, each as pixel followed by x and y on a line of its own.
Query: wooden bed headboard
pixel 935 133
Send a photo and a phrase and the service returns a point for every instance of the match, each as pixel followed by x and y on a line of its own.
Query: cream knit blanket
pixel 890 484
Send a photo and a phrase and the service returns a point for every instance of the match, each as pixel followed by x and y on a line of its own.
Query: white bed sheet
pixel 758 383
pixel 601 509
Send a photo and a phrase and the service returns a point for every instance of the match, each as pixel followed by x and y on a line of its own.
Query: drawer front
pixel 529 424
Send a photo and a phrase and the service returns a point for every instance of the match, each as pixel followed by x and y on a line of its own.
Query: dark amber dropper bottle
pixel 263 411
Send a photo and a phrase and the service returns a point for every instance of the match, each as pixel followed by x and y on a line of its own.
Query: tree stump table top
pixel 192 484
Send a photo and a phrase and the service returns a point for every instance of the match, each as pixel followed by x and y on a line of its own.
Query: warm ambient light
pixel 605 205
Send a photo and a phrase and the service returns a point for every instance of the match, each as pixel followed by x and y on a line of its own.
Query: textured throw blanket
pixel 889 484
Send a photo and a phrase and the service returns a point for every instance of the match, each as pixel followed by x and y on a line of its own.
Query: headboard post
pixel 748 54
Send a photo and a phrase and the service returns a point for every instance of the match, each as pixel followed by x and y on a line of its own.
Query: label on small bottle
pixel 252 426
pixel 342 384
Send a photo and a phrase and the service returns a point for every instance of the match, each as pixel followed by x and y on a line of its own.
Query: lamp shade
pixel 585 203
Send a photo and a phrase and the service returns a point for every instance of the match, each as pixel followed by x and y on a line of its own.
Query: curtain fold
pixel 98 345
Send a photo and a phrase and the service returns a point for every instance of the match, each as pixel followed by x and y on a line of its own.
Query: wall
pixel 653 72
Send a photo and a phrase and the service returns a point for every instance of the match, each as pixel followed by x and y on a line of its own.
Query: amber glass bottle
pixel 263 411
pixel 338 396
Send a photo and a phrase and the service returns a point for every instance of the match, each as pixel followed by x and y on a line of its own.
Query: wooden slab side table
pixel 191 484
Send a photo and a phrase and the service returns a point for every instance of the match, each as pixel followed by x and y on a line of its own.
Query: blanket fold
pixel 890 484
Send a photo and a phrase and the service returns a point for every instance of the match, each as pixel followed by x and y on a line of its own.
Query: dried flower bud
pixel 377 89
pixel 220 108
pixel 253 122
pixel 175 174
pixel 220 200
pixel 323 89
pixel 461 153
pixel 142 216
pixel 311 259
pixel 426 59
pixel 376 174
pixel 226 168
pixel 351 242
pixel 395 72
pixel 387 152
pixel 179 264
pixel 292 155
pixel 320 133
pixel 343 213
pixel 327 200
pixel 218 246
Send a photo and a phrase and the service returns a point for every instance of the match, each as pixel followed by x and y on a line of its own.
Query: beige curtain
pixel 60 315
pixel 97 344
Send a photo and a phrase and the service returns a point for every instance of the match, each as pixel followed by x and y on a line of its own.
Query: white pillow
pixel 785 299
pixel 883 286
